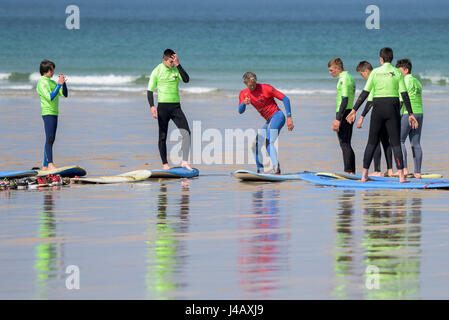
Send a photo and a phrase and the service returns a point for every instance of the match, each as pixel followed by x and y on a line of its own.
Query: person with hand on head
pixel 166 78
pixel 364 68
pixel 49 92
pixel 387 84
pixel 261 96
pixel 345 98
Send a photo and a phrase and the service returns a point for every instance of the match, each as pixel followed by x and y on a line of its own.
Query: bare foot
pixel 396 174
pixel 51 166
pixel 389 173
pixel 365 175
pixel 376 174
pixel 44 169
pixel 417 175
pixel 350 173
pixel 186 165
pixel 402 178
pixel 165 166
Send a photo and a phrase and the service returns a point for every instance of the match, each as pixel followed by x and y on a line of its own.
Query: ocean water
pixel 287 43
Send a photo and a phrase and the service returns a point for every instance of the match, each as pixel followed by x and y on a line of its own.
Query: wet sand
pixel 213 237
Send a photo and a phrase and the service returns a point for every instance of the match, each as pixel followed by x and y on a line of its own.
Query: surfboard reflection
pixel 263 256
pixel 166 255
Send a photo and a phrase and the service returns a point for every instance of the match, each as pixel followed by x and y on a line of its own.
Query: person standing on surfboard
pixel 414 90
pixel 261 96
pixel 49 92
pixel 364 68
pixel 166 78
pixel 345 98
pixel 387 84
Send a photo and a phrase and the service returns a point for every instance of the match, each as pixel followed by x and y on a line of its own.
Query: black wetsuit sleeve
pixel 343 105
pixel 368 107
pixel 184 76
pixel 65 91
pixel 150 98
pixel 407 103
pixel 361 99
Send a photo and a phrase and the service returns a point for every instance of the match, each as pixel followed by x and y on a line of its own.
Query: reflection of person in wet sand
pixel 48 254
pixel 166 253
pixel 261 257
pixel 344 245
pixel 392 241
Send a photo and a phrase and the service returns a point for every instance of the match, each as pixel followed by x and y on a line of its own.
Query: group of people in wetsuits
pixel 396 99
pixel 385 89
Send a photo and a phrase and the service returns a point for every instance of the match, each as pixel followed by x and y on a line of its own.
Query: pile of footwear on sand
pixel 50 180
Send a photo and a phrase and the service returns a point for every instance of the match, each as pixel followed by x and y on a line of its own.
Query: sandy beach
pixel 212 237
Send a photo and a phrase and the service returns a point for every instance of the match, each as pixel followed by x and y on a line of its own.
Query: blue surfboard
pixel 69 171
pixel 348 183
pixel 17 174
pixel 175 172
pixel 246 175
pixel 372 178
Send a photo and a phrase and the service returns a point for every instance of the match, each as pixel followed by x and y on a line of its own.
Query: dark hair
pixel 405 64
pixel 386 54
pixel 364 65
pixel 336 62
pixel 46 65
pixel 167 54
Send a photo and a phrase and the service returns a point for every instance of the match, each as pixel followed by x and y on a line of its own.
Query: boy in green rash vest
pixel 364 68
pixel 414 90
pixel 166 78
pixel 345 99
pixel 49 91
pixel 387 84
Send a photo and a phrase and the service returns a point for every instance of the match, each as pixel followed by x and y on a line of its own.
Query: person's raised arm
pixel 184 76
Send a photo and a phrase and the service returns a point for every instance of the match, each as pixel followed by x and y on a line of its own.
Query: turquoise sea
pixel 214 237
pixel 287 43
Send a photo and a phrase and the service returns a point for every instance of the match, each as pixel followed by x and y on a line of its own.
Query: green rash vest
pixel 166 80
pixel 385 81
pixel 345 88
pixel 44 87
pixel 414 89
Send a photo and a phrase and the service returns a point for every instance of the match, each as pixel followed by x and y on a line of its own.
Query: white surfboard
pixel 132 176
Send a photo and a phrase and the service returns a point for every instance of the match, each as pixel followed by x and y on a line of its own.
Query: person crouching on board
pixel 364 68
pixel 261 96
pixel 166 78
pixel 49 92
pixel 345 99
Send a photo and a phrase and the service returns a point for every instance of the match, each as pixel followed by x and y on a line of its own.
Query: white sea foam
pixel 16 87
pixel 198 90
pixel 4 76
pixel 305 92
pixel 110 79
pixel 107 88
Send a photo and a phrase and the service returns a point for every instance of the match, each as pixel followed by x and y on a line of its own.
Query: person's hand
pixel 351 116
pixel 336 125
pixel 247 100
pixel 359 123
pixel 61 79
pixel 412 121
pixel 175 59
pixel 290 125
pixel 154 112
